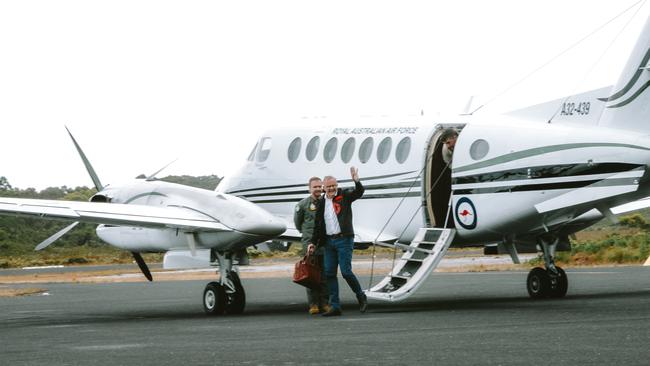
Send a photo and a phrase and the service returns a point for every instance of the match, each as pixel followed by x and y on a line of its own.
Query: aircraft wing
pixel 615 185
pixel 631 206
pixel 364 235
pixel 112 214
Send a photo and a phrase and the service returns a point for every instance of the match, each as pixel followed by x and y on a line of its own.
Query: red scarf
pixel 336 202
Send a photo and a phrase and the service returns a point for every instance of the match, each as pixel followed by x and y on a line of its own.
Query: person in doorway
pixel 333 230
pixel 303 218
pixel 441 205
pixel 448 138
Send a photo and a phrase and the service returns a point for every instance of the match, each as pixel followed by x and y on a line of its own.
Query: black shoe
pixel 333 312
pixel 363 303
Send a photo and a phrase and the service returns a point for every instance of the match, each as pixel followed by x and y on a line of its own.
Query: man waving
pixel 333 230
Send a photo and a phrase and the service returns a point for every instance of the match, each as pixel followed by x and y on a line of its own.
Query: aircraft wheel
pixel 538 283
pixel 235 301
pixel 214 299
pixel 560 284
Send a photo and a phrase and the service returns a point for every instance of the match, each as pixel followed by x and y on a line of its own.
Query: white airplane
pixel 525 180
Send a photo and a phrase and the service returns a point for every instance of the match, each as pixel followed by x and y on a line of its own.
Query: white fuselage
pixel 506 173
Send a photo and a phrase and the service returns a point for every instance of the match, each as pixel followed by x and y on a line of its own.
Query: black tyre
pixel 214 299
pixel 559 284
pixel 236 301
pixel 538 283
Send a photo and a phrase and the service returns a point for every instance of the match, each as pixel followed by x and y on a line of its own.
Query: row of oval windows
pixel 347 149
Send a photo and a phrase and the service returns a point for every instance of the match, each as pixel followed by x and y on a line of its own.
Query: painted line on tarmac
pixel 43 267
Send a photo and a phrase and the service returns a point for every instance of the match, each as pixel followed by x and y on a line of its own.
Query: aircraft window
pixel 365 150
pixel 251 156
pixel 347 150
pixel 403 149
pixel 294 149
pixel 265 149
pixel 330 149
pixel 312 148
pixel 479 149
pixel 383 150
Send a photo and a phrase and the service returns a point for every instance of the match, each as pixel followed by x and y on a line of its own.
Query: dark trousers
pixel 338 253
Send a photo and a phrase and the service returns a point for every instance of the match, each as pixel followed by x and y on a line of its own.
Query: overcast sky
pixel 141 83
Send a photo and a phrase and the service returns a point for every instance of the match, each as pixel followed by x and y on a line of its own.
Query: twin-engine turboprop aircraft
pixel 526 180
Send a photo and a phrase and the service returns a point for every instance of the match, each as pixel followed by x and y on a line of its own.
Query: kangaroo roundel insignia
pixel 466 213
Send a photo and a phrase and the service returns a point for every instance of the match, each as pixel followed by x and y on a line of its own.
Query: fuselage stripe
pixel 305 184
pixel 305 191
pixel 548 186
pixel 539 151
pixel 364 197
pixel 547 171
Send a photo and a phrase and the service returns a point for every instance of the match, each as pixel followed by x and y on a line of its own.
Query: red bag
pixel 307 272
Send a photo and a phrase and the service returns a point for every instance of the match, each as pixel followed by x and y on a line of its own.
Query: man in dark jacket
pixel 333 230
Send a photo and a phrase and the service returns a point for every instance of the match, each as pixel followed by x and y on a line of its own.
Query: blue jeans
pixel 338 253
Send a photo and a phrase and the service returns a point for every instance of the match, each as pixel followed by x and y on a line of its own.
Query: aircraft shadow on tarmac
pixel 432 304
pixel 420 305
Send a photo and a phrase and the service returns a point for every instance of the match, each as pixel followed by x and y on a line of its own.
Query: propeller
pixel 45 243
pixel 86 162
pixel 98 184
pixel 143 266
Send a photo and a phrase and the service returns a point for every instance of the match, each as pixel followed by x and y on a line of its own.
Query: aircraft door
pixel 438 179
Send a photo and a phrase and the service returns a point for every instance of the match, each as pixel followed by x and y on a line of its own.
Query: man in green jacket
pixel 303 218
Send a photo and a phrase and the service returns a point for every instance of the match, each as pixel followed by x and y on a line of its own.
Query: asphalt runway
pixel 453 319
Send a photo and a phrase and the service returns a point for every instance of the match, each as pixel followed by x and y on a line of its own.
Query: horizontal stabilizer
pixel 112 214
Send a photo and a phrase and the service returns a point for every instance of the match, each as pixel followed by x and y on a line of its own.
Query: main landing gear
pixel 550 281
pixel 227 295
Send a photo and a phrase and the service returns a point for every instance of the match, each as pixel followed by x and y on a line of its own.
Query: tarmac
pixel 482 318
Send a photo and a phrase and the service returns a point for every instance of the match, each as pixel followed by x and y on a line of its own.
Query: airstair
pixel 420 258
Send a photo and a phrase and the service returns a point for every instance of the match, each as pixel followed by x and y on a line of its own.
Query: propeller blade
pixel 86 162
pixel 142 265
pixel 45 243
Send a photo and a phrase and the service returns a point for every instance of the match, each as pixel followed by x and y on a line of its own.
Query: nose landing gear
pixel 227 295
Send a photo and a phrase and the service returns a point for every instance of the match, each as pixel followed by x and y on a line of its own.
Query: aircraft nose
pixel 267 226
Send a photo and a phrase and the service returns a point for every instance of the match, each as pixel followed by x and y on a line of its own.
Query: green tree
pixel 4 184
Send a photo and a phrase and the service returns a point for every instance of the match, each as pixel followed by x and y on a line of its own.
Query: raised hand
pixel 354 173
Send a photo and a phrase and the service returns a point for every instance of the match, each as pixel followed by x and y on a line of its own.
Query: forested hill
pixel 20 235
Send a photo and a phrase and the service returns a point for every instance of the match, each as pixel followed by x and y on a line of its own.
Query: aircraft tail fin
pixel 628 106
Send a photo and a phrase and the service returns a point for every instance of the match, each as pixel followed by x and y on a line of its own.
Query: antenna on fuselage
pixel 468 111
pixel 153 176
